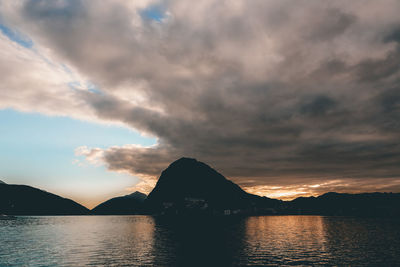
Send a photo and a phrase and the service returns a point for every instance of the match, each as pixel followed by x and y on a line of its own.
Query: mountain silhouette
pixel 191 187
pixel 365 204
pixel 129 204
pixel 188 184
pixel 26 200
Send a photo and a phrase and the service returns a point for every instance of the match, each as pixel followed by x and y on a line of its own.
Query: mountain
pixel 365 204
pixel 190 185
pixel 129 204
pixel 26 200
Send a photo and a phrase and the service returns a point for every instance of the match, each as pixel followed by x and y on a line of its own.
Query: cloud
pixel 16 36
pixel 31 82
pixel 271 93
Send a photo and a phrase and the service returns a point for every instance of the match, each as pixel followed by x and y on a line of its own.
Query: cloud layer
pixel 271 93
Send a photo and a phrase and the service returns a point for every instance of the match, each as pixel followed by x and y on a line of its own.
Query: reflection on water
pixel 292 240
pixel 146 241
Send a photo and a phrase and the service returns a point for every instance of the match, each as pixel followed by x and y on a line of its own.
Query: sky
pixel 285 98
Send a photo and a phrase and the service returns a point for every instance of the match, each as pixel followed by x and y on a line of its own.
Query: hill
pixel 26 200
pixel 129 204
pixel 365 204
pixel 188 185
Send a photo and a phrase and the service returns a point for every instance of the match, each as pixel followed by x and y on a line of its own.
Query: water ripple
pixel 146 241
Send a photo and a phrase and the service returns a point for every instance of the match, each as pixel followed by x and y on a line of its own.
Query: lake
pixel 148 241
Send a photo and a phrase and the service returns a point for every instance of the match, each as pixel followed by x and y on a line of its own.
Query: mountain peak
pixel 137 195
pixel 184 161
pixel 129 204
pixel 189 172
pixel 187 178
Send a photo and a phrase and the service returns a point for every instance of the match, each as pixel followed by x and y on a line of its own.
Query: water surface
pixel 148 241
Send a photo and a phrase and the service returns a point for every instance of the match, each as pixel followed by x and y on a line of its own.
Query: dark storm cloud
pixel 331 23
pixel 393 36
pixel 319 106
pixel 267 92
pixel 47 9
pixel 372 70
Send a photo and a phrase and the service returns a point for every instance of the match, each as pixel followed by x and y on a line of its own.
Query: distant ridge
pixel 1 182
pixel 129 204
pixel 27 200
pixel 343 204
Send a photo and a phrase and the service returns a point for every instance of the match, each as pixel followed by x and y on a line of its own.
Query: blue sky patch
pixel 155 12
pixel 93 88
pixel 16 36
